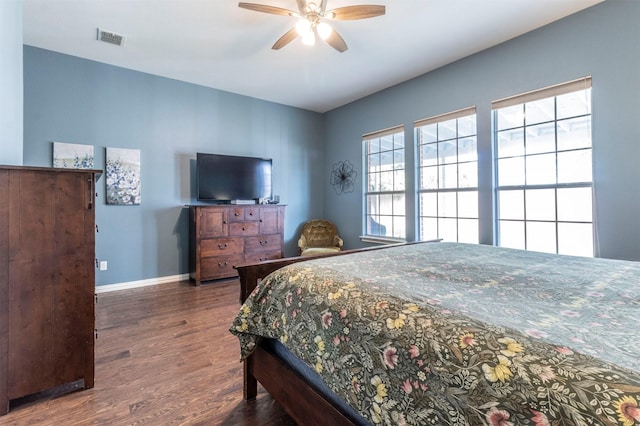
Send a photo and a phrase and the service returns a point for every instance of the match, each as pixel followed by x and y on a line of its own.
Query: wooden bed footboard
pixel 302 402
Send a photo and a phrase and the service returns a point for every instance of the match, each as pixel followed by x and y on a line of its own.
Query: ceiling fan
pixel 312 23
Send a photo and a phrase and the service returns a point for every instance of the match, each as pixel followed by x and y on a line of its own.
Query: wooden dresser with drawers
pixel 222 236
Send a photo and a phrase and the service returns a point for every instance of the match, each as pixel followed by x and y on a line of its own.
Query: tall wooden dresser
pixel 222 236
pixel 47 280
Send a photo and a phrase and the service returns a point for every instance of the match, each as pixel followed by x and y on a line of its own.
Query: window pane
pixel 448 176
pixel 428 229
pixel 447 152
pixel 509 117
pixel 374 182
pixel 398 140
pixel 511 234
pixel 511 171
pixel 448 229
pixel 386 143
pixel 468 175
pixel 429 204
pixel 374 227
pixel 386 226
pixel 574 133
pixel 541 169
pixel 510 143
pixel 468 149
pixel 540 111
pixel 386 181
pixel 386 160
pixel 398 159
pixel 447 204
pixel 373 161
pixel 574 104
pixel 373 203
pixel 574 166
pixel 429 133
pixel 429 155
pixel 373 146
pixel 399 224
pixel 468 204
pixel 467 125
pixel 541 204
pixel 511 204
pixel 386 204
pixel 575 205
pixel 468 231
pixel 398 205
pixel 429 178
pixel 541 236
pixel 398 180
pixel 541 138
pixel 447 130
pixel 575 239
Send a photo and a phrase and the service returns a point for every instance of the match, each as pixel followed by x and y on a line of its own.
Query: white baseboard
pixel 141 283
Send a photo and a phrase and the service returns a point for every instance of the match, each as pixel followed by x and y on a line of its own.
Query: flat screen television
pixel 226 178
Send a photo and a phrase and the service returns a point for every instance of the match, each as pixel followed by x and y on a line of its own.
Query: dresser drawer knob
pixel 236 214
pixel 264 242
pixel 222 264
pixel 222 246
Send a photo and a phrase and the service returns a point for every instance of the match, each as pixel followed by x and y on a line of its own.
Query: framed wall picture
pixel 123 176
pixel 73 156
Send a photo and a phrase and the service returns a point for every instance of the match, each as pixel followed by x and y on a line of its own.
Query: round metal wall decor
pixel 343 177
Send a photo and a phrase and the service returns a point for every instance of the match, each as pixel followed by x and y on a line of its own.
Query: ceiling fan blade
pixel 337 42
pixel 301 5
pixel 267 9
pixel 285 39
pixel 355 12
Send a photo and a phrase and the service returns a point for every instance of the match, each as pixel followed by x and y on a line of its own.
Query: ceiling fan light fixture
pixel 324 30
pixel 303 28
pixel 309 39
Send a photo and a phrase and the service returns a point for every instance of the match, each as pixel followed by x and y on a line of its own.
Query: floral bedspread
pixel 457 334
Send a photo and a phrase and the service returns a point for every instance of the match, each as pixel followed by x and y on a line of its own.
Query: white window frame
pixel 436 211
pixel 527 190
pixel 396 219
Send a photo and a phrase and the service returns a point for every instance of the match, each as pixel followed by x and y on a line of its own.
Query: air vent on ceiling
pixel 110 37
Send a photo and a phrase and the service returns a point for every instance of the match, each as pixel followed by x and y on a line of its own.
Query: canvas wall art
pixel 73 156
pixel 123 176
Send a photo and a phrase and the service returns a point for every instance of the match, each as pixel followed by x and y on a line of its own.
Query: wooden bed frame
pixel 302 402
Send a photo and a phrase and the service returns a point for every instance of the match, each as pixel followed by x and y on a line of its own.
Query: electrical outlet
pixel 103 265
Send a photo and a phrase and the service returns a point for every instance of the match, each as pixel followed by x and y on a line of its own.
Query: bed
pixel 444 333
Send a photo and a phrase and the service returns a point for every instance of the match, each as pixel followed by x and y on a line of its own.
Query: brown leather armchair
pixel 319 236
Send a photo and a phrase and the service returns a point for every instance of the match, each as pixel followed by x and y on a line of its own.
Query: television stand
pixel 224 236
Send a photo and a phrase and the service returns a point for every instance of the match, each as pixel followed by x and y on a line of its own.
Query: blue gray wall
pixel 602 41
pixel 11 99
pixel 73 100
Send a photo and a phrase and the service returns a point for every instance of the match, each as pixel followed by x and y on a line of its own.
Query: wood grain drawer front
pixel 238 214
pixel 263 243
pixel 262 256
pixel 212 268
pixel 213 222
pixel 221 246
pixel 243 228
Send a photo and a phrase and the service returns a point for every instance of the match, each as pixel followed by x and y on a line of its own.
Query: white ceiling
pixel 216 44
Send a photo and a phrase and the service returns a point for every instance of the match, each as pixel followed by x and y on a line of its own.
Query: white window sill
pixel 381 240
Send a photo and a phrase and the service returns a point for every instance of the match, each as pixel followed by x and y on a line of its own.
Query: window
pixel 448 177
pixel 544 170
pixel 385 184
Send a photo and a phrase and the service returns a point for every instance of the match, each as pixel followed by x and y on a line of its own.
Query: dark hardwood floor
pixel 163 357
